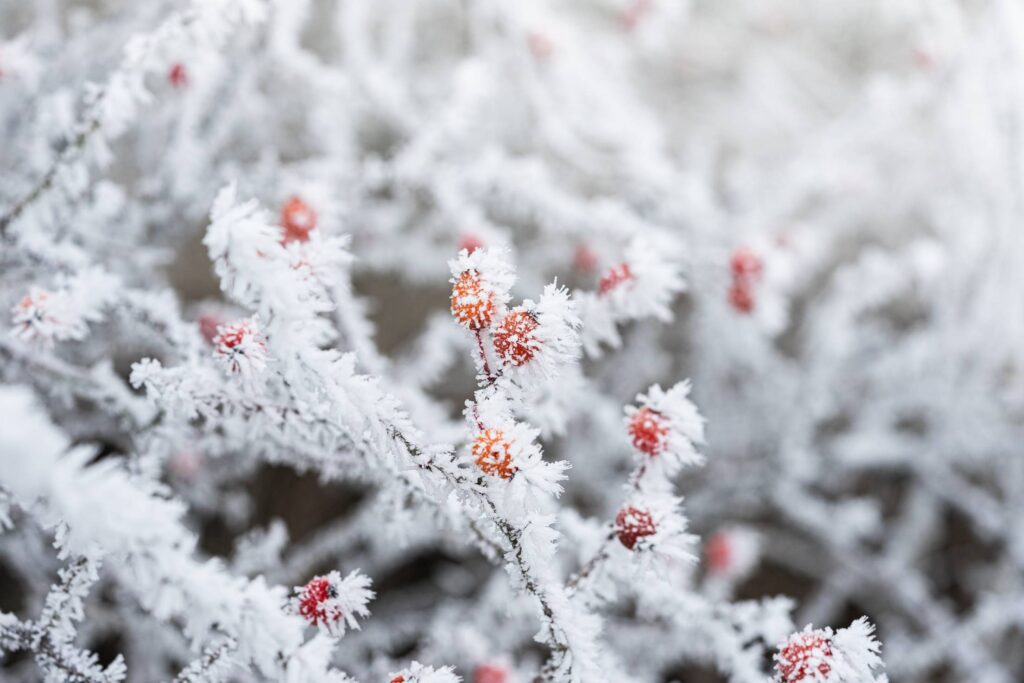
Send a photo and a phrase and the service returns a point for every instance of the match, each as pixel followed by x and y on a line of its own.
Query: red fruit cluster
pixel 632 524
pixel 493 454
pixel 312 599
pixel 801 655
pixel 515 340
pixel 298 220
pixel 746 267
pixel 614 277
pixel 472 305
pixel 489 673
pixel 648 431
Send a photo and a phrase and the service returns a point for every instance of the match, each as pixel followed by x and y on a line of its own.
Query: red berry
pixel 472 306
pixel 648 431
pixel 493 454
pixel 614 277
pixel 470 243
pixel 298 220
pixel 178 76
pixel 632 524
pixel 515 340
pixel 541 45
pixel 741 297
pixel 801 655
pixel 398 679
pixel 585 260
pixel 718 552
pixel 311 602
pixel 208 324
pixel 489 673
pixel 745 263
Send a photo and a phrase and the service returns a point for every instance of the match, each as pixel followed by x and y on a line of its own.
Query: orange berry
pixel 493 454
pixel 298 220
pixel 472 306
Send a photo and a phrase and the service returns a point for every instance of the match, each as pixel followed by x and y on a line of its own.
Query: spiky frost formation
pixel 47 316
pixel 481 282
pixel 240 346
pixel 331 602
pixel 666 427
pixel 418 673
pixel 849 655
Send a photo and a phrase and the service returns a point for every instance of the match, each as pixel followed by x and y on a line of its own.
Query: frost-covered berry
pixel 632 524
pixel 315 602
pixel 398 679
pixel 472 305
pixel 470 243
pixel 745 263
pixel 241 347
pixel 493 453
pixel 648 431
pixel 718 553
pixel 804 657
pixel 331 602
pixel 298 220
pixel 614 278
pixel 178 76
pixel 741 296
pixel 515 339
pixel 489 673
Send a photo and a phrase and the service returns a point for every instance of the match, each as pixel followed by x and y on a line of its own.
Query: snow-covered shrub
pixel 567 341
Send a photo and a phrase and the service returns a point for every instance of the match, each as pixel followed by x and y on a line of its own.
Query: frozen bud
pixel 850 655
pixel 745 264
pixel 298 220
pixel 515 340
pixel 614 278
pixel 472 305
pixel 493 453
pixel 330 602
pixel 490 673
pixel 177 76
pixel 648 431
pixel 241 347
pixel 741 296
pixel 632 524
pixel 470 243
